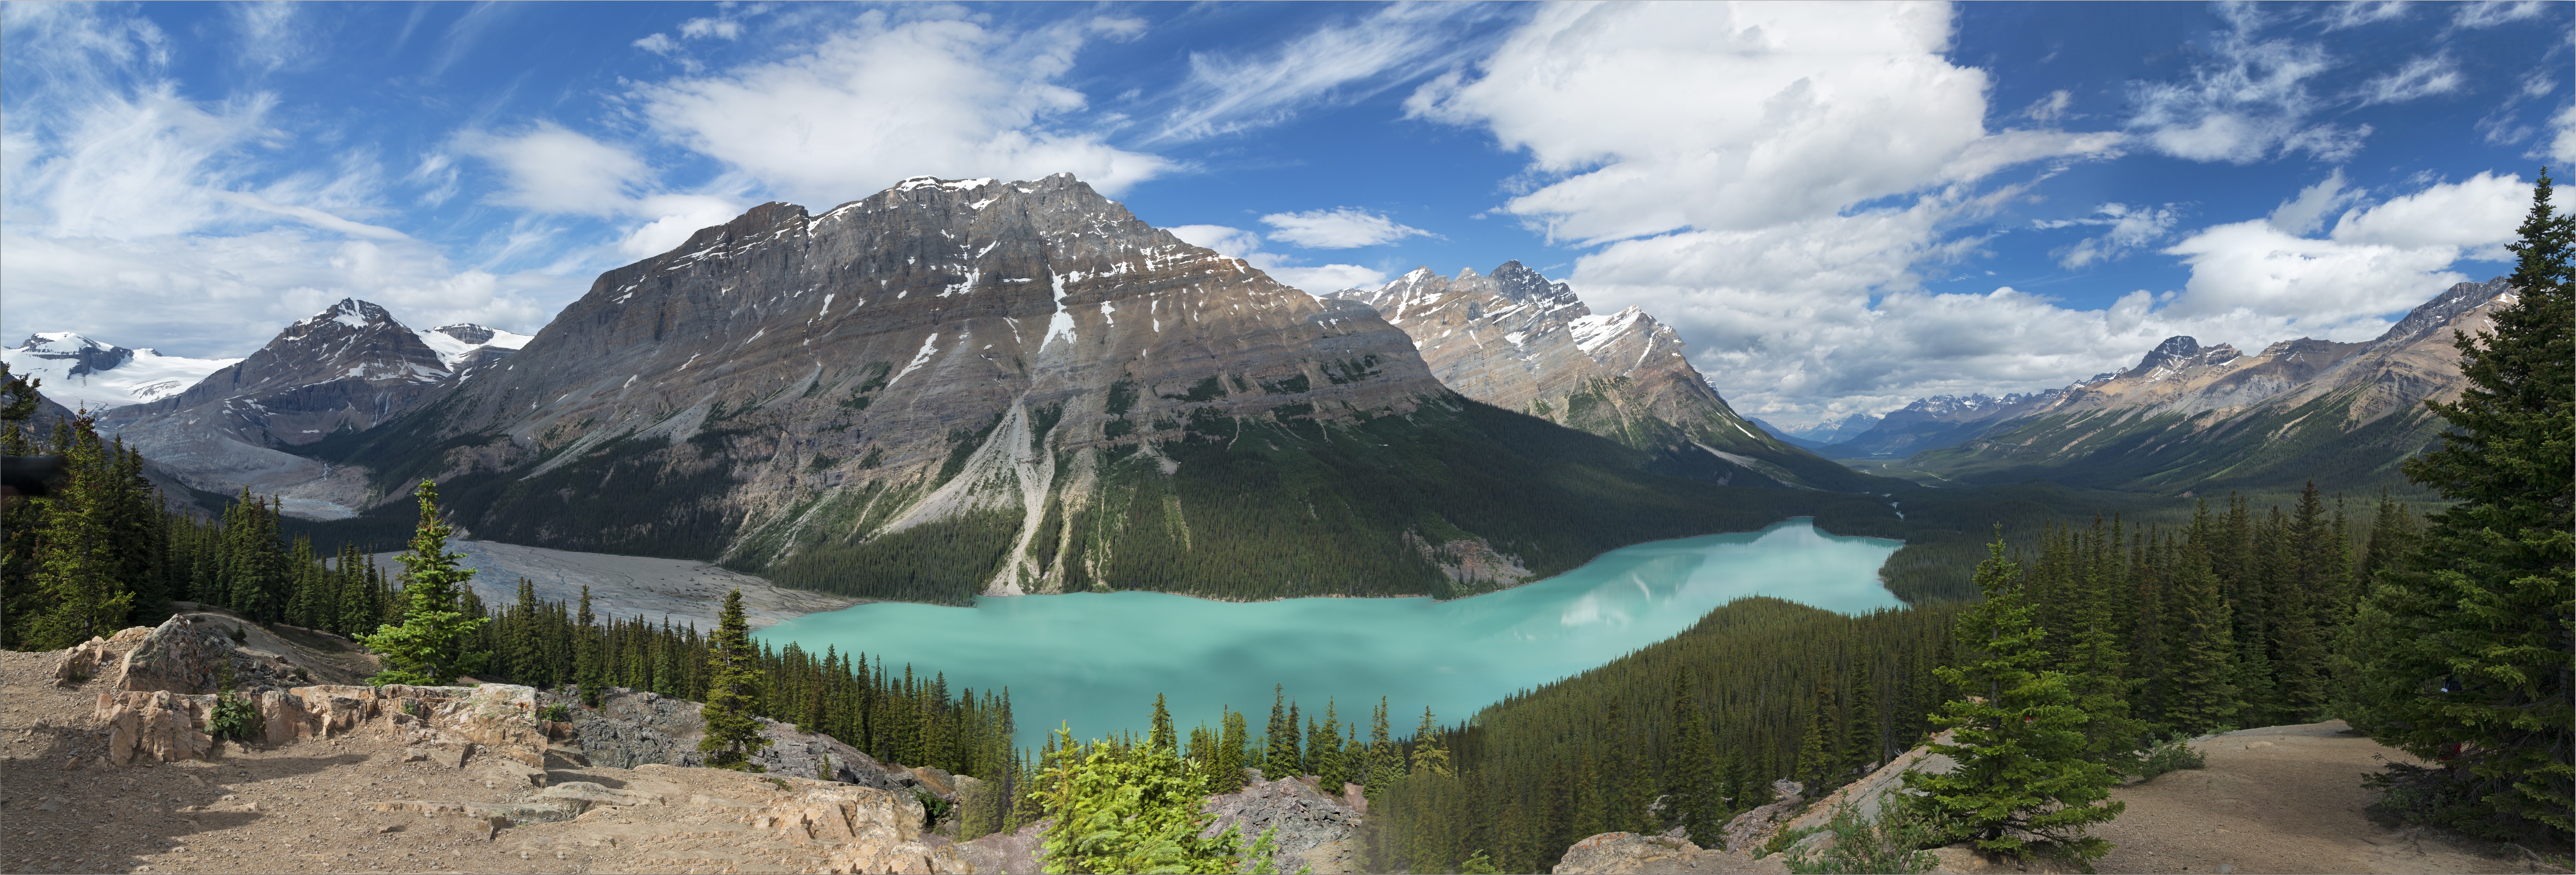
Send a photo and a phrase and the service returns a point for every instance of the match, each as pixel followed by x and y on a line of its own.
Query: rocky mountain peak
pixel 2431 315
pixel 466 331
pixel 77 355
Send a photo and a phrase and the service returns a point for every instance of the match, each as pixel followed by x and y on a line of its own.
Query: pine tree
pixel 2022 777
pixel 1230 763
pixel 1326 747
pixel 589 658
pixel 1430 754
pixel 430 645
pixel 2200 692
pixel 1692 766
pixel 76 569
pixel 732 692
pixel 1162 725
pixel 1820 750
pixel 1383 765
pixel 1278 744
pixel 1864 746
pixel 2469 640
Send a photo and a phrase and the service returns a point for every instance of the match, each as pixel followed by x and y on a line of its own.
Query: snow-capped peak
pixel 79 372
pixel 456 343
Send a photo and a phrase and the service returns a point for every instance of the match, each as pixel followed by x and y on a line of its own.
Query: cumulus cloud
pixel 121 190
pixel 1341 228
pixel 898 94
pixel 2377 260
pixel 1643 119
pixel 2249 100
pixel 1314 280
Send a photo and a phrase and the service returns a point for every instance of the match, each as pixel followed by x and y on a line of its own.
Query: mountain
pixel 955 387
pixel 346 369
pixel 1515 340
pixel 466 347
pixel 1939 421
pixel 80 372
pixel 2192 419
pixel 1822 434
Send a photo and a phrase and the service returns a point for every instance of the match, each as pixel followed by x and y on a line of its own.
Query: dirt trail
pixel 2277 799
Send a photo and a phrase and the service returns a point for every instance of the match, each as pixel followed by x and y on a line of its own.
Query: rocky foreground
pixel 111 763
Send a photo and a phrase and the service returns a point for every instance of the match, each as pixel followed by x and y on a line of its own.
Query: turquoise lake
pixel 1096 660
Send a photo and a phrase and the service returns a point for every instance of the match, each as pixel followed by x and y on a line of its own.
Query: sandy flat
pixel 684 590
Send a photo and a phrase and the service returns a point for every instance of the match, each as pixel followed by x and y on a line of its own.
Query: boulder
pixel 157 726
pixel 1625 852
pixel 861 829
pixel 177 656
pixel 96 655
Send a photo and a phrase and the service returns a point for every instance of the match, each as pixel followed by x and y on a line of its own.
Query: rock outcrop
pixel 862 829
pixel 632 728
pixel 1626 852
pixel 1751 828
pixel 1315 828
pixel 492 720
pixel 1516 340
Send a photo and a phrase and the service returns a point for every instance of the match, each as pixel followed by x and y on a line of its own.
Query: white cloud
pixel 2339 16
pixel 1642 119
pixel 1336 63
pixel 2130 228
pixel 550 169
pixel 2051 108
pixel 2420 77
pixel 2377 260
pixel 269 35
pixel 1341 228
pixel 2307 212
pixel 119 190
pixel 657 43
pixel 1246 245
pixel 719 28
pixel 2562 143
pixel 2249 101
pixel 2473 15
pixel 896 95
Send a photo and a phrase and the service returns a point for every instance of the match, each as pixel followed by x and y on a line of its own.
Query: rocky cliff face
pixel 2192 418
pixel 1516 340
pixel 953 387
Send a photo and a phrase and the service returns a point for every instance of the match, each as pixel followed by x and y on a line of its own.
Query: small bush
pixel 235 718
pixel 1894 844
pixel 932 808
pixel 1780 841
pixel 2169 756
pixel 556 712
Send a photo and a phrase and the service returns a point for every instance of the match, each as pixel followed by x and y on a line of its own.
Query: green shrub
pixel 1894 844
pixel 556 712
pixel 235 718
pixel 2169 756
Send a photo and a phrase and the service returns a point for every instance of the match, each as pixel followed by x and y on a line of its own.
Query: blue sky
pixel 1841 207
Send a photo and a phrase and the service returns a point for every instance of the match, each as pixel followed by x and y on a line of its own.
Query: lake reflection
pixel 1097 659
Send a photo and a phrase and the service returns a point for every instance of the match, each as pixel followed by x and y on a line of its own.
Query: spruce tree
pixel 2469 652
pixel 1864 747
pixel 76 563
pixel 1279 746
pixel 1430 752
pixel 1820 750
pixel 1162 722
pixel 1692 767
pixel 1229 754
pixel 2199 685
pixel 430 647
pixel 733 690
pixel 590 666
pixel 2022 777
pixel 1326 748
pixel 1383 765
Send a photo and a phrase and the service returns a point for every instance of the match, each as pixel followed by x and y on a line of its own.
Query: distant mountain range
pixel 955 387
pixel 2188 417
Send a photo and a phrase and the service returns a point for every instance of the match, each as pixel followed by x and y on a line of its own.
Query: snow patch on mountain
pixel 459 342
pixel 83 373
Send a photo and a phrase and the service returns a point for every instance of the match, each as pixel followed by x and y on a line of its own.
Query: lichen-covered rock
pixel 1625 852
pixel 1315 829
pixel 861 829
pixel 178 656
